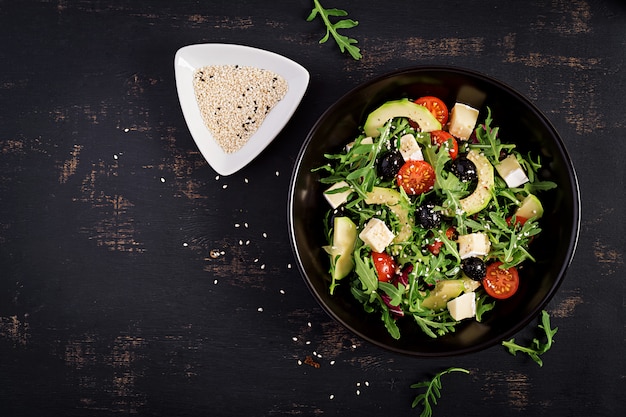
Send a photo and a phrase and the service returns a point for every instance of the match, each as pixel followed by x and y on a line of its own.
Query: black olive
pixel 463 169
pixel 389 164
pixel 474 268
pixel 427 217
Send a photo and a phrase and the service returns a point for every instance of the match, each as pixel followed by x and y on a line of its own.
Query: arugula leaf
pixel 483 305
pixel 537 348
pixel 345 43
pixel 489 142
pixel 365 271
pixel 433 391
pixel 390 324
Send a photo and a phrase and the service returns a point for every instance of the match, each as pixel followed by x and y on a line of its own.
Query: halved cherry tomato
pixel 443 138
pixel 416 177
pixel 518 220
pixel 501 283
pixel 385 266
pixel 436 106
pixel 435 247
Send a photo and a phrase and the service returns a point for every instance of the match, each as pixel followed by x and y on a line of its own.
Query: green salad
pixel 430 214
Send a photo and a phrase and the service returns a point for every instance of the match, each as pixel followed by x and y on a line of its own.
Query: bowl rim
pixel 573 183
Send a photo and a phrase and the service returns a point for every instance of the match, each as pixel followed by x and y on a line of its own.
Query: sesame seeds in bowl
pixel 236 99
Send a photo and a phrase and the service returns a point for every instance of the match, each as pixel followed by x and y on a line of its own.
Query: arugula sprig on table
pixel 345 43
pixel 537 348
pixel 433 391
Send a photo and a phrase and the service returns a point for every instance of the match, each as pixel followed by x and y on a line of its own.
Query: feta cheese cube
pixel 337 199
pixel 376 235
pixel 365 141
pixel 473 244
pixel 515 178
pixel 463 306
pixel 512 172
pixel 462 121
pixel 410 149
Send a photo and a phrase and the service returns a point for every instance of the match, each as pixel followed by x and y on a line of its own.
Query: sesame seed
pixel 162 179
pixel 234 101
pixel 260 309
pixel 215 282
pixel 126 130
pixel 295 339
pixel 331 396
pixel 332 363
pixel 225 186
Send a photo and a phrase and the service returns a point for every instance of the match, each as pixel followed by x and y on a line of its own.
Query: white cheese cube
pixel 376 235
pixel 515 178
pixel 463 306
pixel 337 199
pixel 365 141
pixel 512 172
pixel 462 121
pixel 473 244
pixel 410 149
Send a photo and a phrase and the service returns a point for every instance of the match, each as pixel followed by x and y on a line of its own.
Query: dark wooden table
pixel 112 300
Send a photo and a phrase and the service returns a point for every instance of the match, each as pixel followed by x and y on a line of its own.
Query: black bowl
pixel 521 123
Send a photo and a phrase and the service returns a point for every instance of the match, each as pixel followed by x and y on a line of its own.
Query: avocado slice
pixel 344 239
pixel 529 208
pixel 481 196
pixel 392 198
pixel 400 108
pixel 446 290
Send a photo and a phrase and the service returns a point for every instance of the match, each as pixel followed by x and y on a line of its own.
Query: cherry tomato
pixel 385 266
pixel 435 247
pixel 518 220
pixel 416 177
pixel 436 106
pixel 500 283
pixel 443 138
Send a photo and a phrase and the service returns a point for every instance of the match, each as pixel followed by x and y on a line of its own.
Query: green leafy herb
pixel 489 141
pixel 345 43
pixel 483 305
pixel 433 391
pixel 537 348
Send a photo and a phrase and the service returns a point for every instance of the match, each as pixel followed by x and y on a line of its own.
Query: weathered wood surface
pixel 134 280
